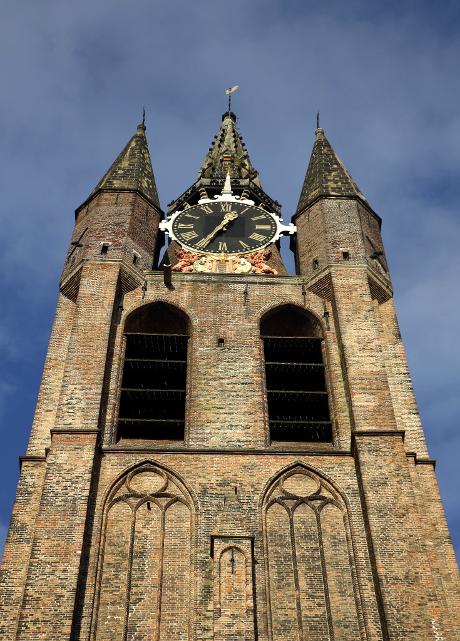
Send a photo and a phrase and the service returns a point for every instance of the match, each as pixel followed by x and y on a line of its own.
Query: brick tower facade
pixel 221 450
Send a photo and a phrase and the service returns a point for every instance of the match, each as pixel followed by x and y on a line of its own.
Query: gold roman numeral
pixel 226 206
pixel 189 235
pixel 258 237
pixel 191 216
pixel 207 209
pixel 263 226
pixel 261 217
pixel 185 226
pixel 223 247
pixel 244 245
pixel 201 244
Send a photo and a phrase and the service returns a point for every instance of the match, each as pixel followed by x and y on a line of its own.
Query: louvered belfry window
pixel 297 397
pixel 153 388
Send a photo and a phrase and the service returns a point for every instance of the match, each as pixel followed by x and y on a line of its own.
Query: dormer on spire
pixel 326 175
pixel 132 170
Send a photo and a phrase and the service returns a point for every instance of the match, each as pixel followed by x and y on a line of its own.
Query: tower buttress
pixel 337 248
pixel 114 242
pixel 116 236
pixel 340 253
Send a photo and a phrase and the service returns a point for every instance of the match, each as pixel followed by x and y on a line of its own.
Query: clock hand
pixel 232 215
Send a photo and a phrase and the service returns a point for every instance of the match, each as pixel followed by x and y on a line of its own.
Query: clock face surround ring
pixel 224 228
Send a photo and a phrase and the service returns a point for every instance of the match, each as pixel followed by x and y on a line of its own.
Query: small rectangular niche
pixel 345 254
pixel 105 248
pixel 234 609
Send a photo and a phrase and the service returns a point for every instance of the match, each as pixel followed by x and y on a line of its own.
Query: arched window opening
pixel 152 400
pixel 297 399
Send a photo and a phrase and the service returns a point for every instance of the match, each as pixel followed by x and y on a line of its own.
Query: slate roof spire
pixel 228 154
pixel 326 175
pixel 132 170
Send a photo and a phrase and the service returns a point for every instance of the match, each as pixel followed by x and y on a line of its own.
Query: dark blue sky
pixel 383 74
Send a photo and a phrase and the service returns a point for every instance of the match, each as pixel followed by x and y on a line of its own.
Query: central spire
pixel 228 154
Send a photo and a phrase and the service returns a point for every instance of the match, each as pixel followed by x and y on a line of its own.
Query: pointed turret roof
pixel 326 175
pixel 228 154
pixel 132 170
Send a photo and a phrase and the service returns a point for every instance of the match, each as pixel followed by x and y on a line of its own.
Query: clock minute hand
pixel 232 215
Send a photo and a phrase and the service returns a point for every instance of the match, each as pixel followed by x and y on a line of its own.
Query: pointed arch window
pixel 153 388
pixel 297 397
pixel 144 580
pixel 310 559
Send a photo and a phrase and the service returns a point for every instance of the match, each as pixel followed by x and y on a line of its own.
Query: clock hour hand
pixel 204 242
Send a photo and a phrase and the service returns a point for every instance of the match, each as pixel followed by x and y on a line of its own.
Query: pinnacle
pixel 132 170
pixel 326 175
pixel 227 154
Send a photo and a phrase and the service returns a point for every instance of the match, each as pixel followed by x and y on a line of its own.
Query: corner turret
pixel 335 224
pixel 120 219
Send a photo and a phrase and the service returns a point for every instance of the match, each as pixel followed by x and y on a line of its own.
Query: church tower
pixel 220 450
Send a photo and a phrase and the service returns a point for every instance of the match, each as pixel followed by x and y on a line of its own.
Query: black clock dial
pixel 224 228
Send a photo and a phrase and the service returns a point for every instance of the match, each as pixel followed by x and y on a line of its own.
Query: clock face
pixel 224 227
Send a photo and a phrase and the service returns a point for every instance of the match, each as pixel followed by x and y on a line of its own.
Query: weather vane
pixel 229 94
